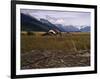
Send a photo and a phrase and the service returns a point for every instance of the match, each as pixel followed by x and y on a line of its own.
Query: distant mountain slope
pixel 49 24
pixel 68 28
pixel 29 23
pixel 71 28
pixel 61 27
pixel 85 29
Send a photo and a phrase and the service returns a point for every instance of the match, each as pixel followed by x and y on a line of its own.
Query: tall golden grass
pixel 69 42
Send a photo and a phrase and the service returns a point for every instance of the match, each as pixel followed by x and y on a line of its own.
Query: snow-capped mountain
pixel 85 29
pixel 29 22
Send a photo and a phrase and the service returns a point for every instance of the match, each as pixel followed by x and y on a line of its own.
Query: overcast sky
pixel 60 17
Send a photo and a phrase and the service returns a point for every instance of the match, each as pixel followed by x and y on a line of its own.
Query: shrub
pixel 30 33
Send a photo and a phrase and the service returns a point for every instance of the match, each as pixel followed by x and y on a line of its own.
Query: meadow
pixel 70 50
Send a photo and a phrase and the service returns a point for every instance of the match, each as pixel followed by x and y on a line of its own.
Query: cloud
pixel 61 17
pixel 60 21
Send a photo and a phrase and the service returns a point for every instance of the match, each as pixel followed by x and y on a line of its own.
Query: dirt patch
pixel 54 59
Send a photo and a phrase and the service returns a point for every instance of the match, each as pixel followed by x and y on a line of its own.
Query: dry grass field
pixel 70 50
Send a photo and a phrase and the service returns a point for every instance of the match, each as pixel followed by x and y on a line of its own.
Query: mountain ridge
pixel 29 23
